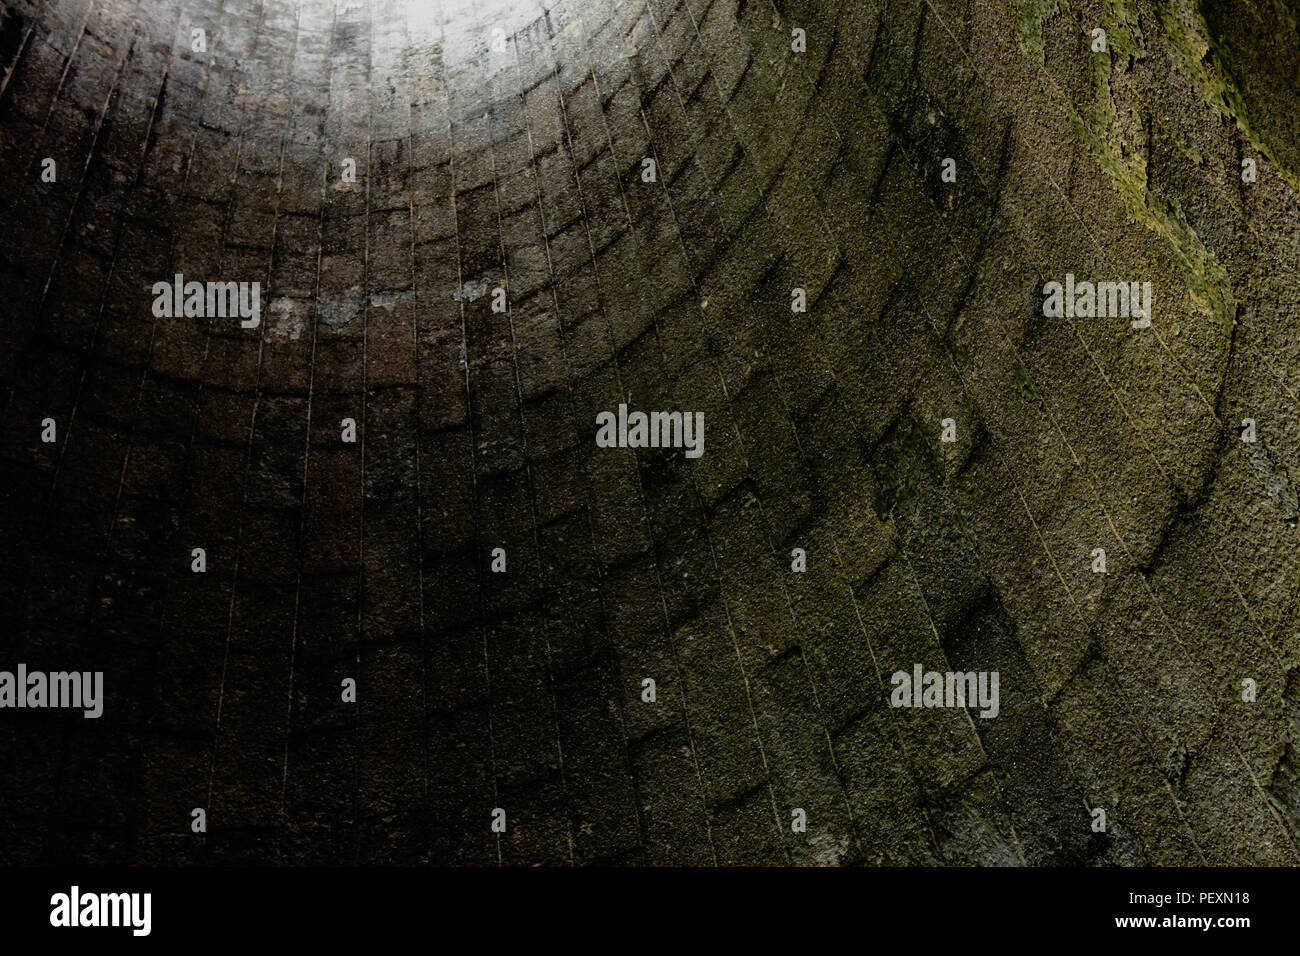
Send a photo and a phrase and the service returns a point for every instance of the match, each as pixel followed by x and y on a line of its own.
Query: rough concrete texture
pixel 519 167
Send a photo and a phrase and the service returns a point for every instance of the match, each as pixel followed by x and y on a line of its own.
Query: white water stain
pixel 387 300
pixel 339 310
pixel 287 320
pixel 474 289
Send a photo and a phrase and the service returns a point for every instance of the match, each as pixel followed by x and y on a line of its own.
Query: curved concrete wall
pixel 503 148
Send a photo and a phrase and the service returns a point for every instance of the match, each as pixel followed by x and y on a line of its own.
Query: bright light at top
pixel 428 19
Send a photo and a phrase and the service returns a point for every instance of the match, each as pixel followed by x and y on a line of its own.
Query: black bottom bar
pixel 339 906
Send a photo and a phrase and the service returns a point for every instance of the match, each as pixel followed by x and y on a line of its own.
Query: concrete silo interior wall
pixel 363 585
